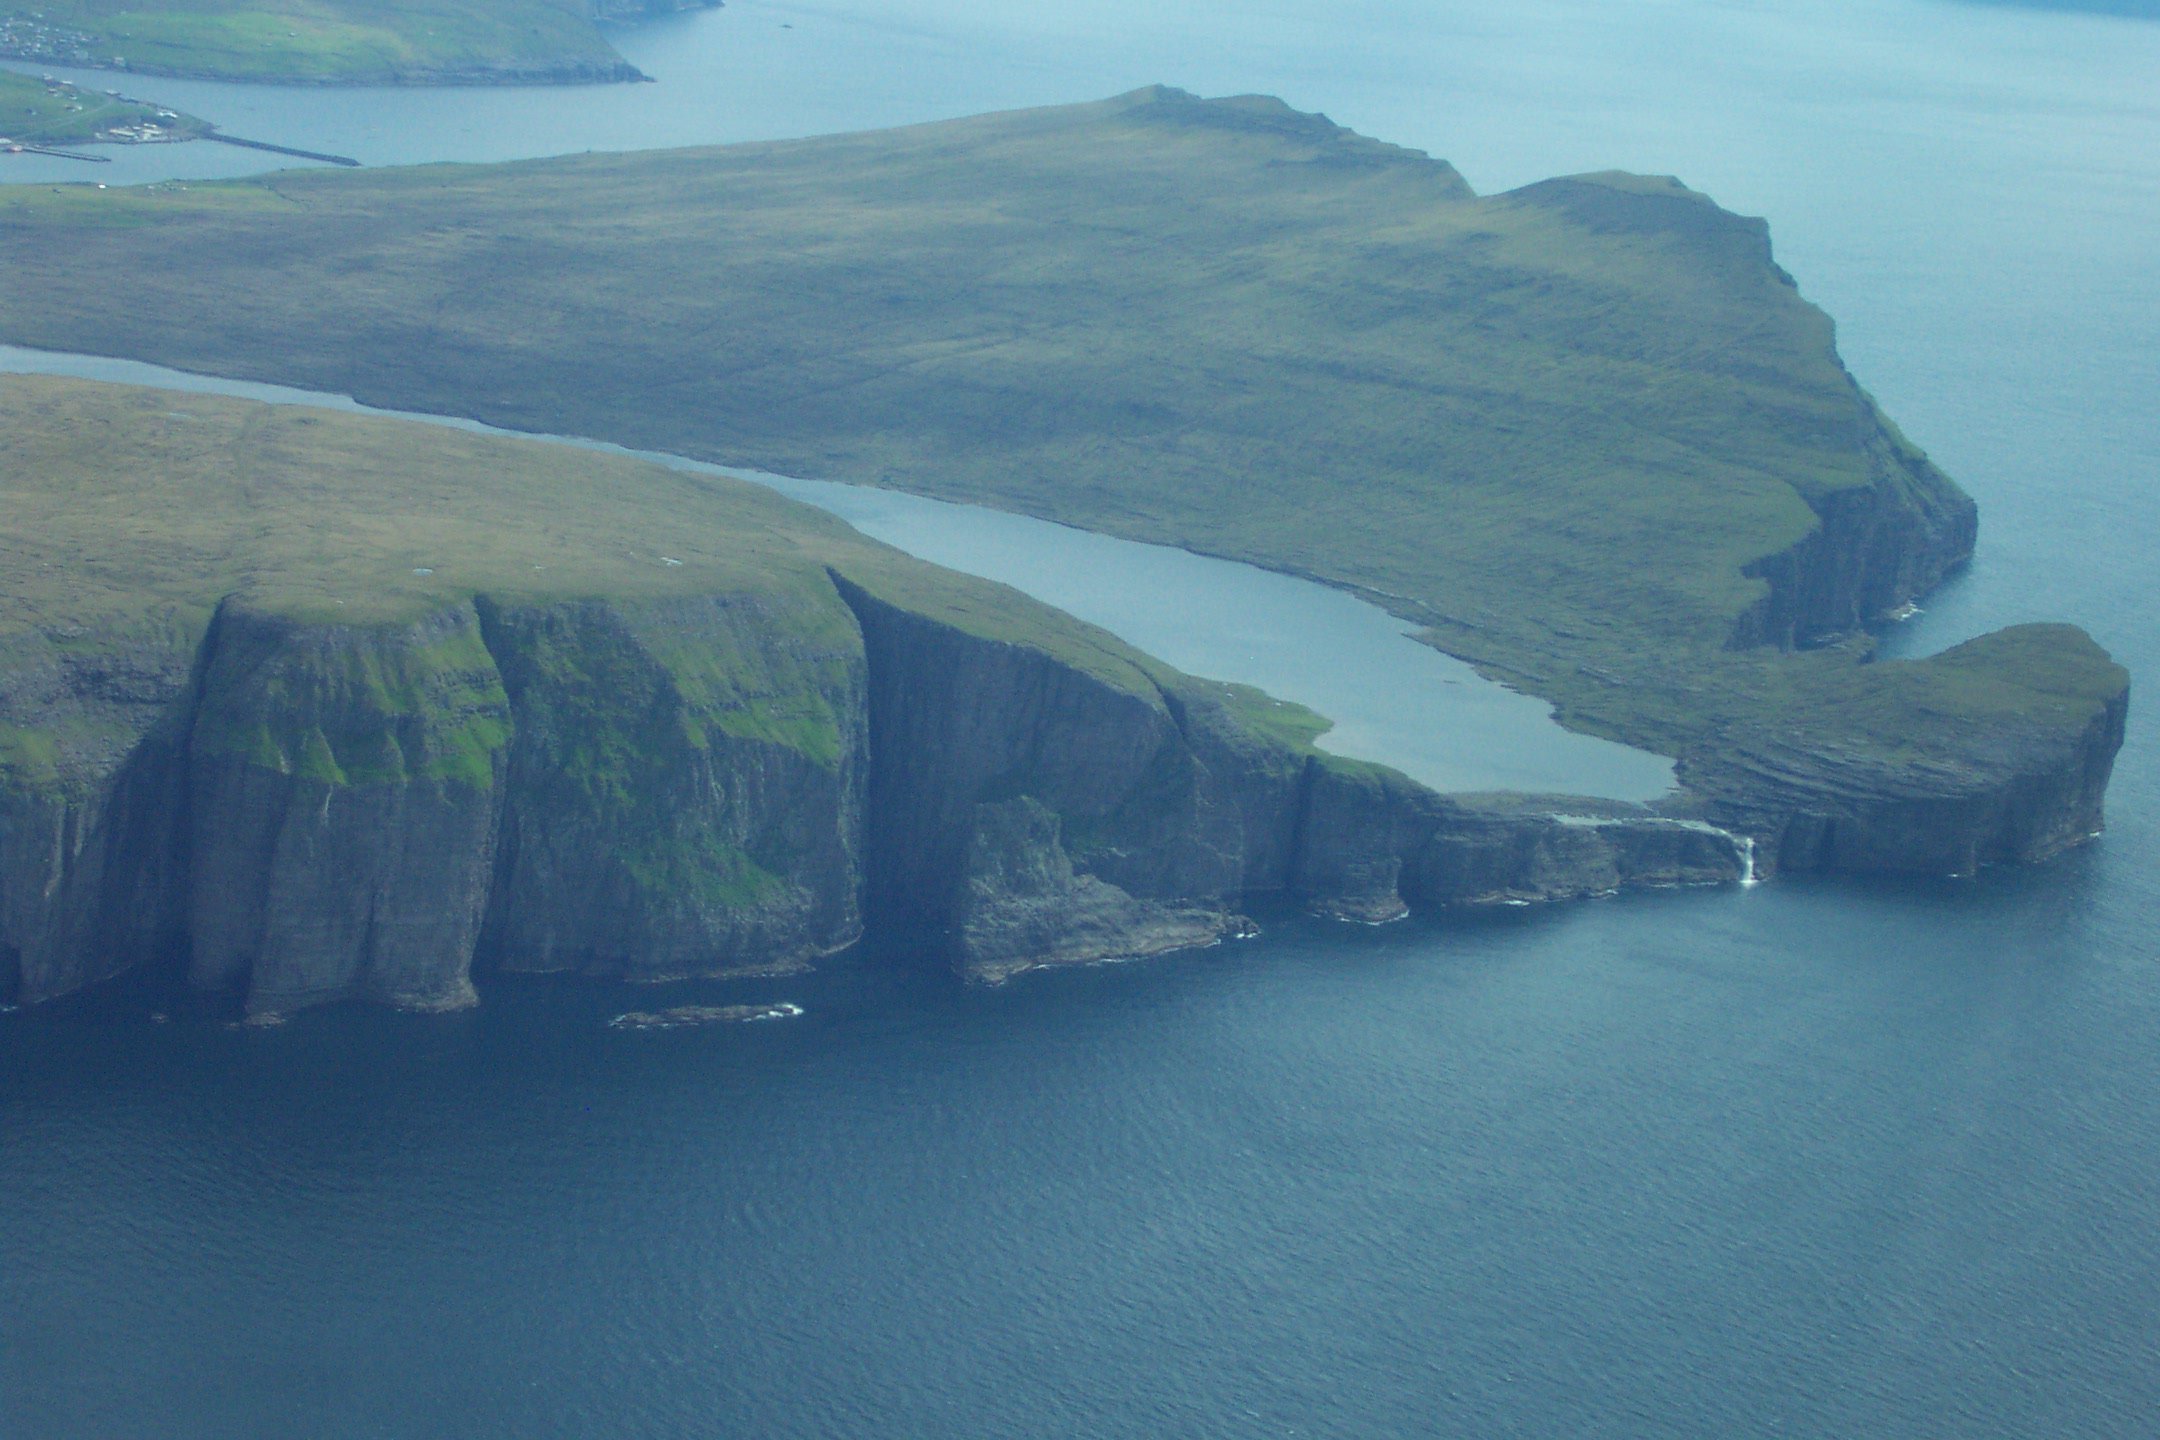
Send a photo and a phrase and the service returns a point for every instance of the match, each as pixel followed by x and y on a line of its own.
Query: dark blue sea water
pixel 1819 1159
pixel 1621 1169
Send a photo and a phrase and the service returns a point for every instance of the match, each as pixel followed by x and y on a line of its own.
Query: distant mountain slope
pixel 331 41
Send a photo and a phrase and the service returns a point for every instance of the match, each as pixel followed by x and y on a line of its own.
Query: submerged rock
pixel 682 1017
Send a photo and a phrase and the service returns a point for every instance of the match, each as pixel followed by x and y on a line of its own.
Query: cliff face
pixel 743 782
pixel 310 810
pixel 89 883
pixel 715 785
pixel 343 788
pixel 1875 547
pixel 684 789
pixel 324 811
pixel 93 741
pixel 1023 811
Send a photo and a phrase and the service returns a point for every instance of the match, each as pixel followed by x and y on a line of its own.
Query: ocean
pixel 1821 1158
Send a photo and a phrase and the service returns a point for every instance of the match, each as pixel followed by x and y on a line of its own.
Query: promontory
pixel 1586 435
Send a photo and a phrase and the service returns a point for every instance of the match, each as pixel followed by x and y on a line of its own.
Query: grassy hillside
pixel 344 41
pixel 1559 427
pixel 127 515
pixel 34 112
pixel 331 706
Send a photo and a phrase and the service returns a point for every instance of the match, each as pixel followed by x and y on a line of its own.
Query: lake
pixel 1815 1159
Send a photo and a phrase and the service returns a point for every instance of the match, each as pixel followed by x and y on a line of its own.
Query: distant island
pixel 1587 435
pixel 348 42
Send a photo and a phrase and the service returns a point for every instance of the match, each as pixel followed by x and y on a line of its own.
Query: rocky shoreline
pixel 1000 807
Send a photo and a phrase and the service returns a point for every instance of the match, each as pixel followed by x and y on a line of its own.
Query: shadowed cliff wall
pixel 738 783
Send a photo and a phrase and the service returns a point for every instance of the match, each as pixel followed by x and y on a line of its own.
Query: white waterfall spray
pixel 1743 846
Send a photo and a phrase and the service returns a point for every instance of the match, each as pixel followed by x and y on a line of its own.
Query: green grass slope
pixel 333 41
pixel 1568 429
pixel 127 516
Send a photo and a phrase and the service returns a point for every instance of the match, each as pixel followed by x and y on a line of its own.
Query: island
pixel 350 42
pixel 1586 435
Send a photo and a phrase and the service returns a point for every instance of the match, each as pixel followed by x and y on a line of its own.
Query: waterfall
pixel 1747 860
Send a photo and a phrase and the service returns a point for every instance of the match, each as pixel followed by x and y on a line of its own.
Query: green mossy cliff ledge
pixel 307 706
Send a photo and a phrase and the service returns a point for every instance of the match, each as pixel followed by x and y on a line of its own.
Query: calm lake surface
pixel 1814 1159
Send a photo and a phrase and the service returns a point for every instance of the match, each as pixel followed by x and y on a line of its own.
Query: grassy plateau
pixel 128 515
pixel 1563 429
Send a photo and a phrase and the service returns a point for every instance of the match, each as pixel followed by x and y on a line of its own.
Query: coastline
pixel 1696 596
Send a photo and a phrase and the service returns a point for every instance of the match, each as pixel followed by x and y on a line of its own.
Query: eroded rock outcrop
pixel 1373 845
pixel 1026 809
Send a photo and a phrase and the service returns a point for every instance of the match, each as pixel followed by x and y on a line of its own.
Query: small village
pixel 51 116
pixel 28 37
pixel 71 116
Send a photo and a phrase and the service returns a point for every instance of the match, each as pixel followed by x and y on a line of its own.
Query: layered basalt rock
pixel 343 790
pixel 726 784
pixel 709 786
pixel 2028 786
pixel 1874 549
